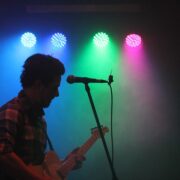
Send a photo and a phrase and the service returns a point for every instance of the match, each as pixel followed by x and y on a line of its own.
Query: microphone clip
pixel 110 80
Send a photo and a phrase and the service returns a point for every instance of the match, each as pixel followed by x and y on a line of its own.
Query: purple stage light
pixel 133 40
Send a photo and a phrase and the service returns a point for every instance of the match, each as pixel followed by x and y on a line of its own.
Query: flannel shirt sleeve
pixel 8 129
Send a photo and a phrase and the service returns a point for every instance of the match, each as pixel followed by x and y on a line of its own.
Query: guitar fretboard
pixel 87 145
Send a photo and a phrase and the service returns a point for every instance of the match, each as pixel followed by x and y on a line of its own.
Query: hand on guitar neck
pixel 73 161
pixel 76 157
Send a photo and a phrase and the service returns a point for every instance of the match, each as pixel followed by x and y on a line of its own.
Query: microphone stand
pixel 114 177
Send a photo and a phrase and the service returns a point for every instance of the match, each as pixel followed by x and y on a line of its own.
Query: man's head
pixel 41 77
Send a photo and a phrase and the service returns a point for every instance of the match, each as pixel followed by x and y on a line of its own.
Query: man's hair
pixel 40 67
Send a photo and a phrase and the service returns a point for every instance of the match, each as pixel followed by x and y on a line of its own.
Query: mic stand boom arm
pixel 114 177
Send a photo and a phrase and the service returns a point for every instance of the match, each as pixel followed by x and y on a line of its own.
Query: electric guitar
pixel 53 166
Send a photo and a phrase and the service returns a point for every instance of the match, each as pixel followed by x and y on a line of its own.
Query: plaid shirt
pixel 23 130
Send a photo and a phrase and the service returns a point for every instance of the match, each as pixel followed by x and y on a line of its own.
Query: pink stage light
pixel 133 40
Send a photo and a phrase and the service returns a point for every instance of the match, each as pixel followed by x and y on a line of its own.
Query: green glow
pixel 101 39
pixel 96 62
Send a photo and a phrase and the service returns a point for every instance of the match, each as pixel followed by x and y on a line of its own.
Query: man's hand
pixel 76 158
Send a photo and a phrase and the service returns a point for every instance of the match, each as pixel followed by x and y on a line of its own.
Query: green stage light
pixel 101 39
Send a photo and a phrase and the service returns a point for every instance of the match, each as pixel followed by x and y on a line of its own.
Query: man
pixel 23 129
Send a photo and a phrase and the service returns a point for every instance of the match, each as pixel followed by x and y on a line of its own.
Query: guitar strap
pixel 52 149
pixel 49 142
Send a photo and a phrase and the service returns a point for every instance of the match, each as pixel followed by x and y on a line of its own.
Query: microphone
pixel 73 79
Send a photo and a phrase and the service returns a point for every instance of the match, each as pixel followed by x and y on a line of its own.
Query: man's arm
pixel 15 167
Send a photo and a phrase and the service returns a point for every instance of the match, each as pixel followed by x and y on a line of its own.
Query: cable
pixel 111 119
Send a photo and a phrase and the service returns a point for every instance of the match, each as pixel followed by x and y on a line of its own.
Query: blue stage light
pixel 58 40
pixel 28 39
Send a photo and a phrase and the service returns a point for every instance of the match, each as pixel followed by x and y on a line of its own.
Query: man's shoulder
pixel 12 104
pixel 10 111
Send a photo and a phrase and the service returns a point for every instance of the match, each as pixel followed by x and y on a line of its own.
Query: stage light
pixel 58 40
pixel 101 39
pixel 133 40
pixel 28 39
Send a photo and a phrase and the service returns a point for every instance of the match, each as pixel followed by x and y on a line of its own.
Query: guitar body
pixel 49 167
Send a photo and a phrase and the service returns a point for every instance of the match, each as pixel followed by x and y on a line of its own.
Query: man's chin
pixel 45 105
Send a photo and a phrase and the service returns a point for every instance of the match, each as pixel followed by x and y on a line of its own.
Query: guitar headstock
pixel 95 131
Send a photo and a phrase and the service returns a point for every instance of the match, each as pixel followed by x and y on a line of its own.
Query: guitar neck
pixel 87 145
